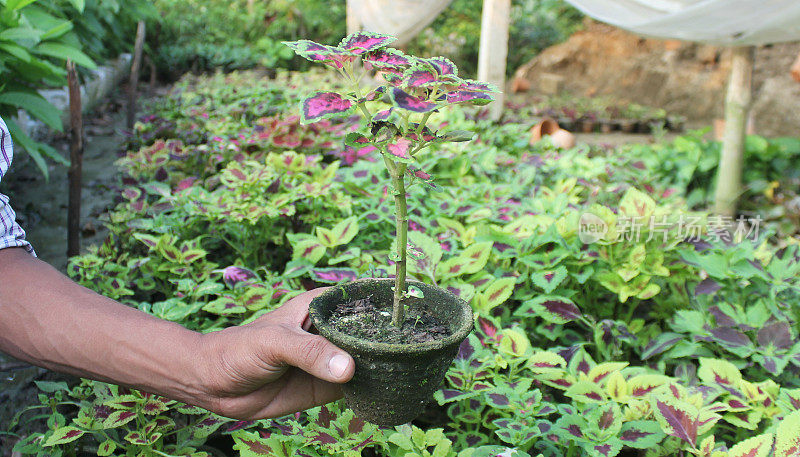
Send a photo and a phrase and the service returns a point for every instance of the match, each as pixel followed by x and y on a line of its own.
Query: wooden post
pixel 135 65
pixel 353 24
pixel 76 162
pixel 494 49
pixel 737 105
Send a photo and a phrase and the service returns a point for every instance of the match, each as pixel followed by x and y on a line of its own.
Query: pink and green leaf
pixel 419 77
pixel 333 275
pixel 364 41
pixel 478 86
pixel 387 58
pixel 443 66
pixel 322 105
pixel 400 149
pixel 465 96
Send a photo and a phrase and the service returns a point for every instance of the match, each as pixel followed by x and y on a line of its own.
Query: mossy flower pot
pixel 392 382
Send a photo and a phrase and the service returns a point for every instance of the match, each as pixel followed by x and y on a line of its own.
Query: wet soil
pixel 370 321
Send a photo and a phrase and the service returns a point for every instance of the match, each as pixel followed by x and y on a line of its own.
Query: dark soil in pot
pixel 397 369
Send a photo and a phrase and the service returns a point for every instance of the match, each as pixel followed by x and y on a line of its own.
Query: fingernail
pixel 338 365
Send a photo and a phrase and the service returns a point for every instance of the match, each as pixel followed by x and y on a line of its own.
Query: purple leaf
pixel 443 65
pixel 498 399
pixel 361 42
pixel 322 105
pixel 465 350
pixel 707 286
pixel 730 337
pixel 409 102
pixel 777 334
pixel 660 344
pixel 234 275
pixel 723 320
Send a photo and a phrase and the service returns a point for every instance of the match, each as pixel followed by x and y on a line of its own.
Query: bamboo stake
pixel 76 162
pixel 737 105
pixel 135 65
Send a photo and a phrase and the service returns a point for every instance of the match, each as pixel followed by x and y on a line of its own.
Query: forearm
pixel 50 321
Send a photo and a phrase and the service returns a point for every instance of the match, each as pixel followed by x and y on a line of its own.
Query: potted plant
pixel 402 334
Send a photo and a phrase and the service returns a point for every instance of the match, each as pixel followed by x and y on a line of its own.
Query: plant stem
pixel 401 219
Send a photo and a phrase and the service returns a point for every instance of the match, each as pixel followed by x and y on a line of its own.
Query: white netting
pixel 722 22
pixel 401 18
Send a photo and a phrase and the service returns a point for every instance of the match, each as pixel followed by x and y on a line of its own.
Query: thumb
pixel 315 355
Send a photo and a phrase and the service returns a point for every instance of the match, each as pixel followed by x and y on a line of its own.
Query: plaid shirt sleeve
pixel 11 234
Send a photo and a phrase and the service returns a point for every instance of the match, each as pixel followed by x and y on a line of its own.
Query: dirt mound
pixel 683 78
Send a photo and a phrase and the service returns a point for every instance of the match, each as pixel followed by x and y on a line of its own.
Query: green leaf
pixel 475 257
pixel 106 448
pixel 64 435
pixel 401 441
pixel 36 106
pixel 757 446
pixel 637 204
pixel 641 434
pixel 31 147
pixel 61 51
pixel 787 437
pixel 79 5
pixel 548 280
pixel 499 291
pixel 57 31
pixel 51 386
pixel 17 51
pixel 309 249
pixel 14 5
pixel 17 34
pixel 458 136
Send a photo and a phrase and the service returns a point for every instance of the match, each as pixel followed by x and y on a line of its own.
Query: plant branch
pixel 401 220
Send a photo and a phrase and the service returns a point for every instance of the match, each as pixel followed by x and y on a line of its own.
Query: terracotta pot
pixel 558 136
pixel 392 382
pixel 587 125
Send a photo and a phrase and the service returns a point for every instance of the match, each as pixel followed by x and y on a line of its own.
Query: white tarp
pixel 401 18
pixel 721 22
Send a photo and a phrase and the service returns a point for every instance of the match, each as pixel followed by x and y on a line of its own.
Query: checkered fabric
pixel 11 234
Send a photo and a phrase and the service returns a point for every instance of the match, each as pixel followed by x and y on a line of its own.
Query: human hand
pixel 272 366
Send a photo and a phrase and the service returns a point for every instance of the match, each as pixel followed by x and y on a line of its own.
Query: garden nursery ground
pixel 667 331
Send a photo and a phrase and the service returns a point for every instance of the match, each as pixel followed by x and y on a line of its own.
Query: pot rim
pixel 351 342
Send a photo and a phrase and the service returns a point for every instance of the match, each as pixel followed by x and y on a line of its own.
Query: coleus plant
pixel 413 88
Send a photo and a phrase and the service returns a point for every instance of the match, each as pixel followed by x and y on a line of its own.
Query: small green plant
pixel 415 88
